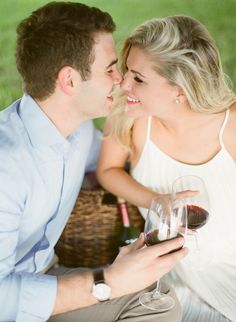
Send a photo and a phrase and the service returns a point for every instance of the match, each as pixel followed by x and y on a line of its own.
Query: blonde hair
pixel 186 55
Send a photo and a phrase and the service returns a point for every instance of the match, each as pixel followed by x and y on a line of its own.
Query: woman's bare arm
pixel 113 177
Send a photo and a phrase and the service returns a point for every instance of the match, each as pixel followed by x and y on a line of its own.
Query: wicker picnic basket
pixel 89 238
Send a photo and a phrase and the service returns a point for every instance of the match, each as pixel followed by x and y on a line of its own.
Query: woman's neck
pixel 184 121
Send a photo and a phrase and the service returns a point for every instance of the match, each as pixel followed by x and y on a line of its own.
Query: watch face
pixel 101 292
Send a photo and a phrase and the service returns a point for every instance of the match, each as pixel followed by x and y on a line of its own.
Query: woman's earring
pixel 177 101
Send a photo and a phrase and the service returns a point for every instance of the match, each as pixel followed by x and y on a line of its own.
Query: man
pixel 66 57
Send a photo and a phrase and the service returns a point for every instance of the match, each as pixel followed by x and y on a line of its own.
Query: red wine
pixel 151 238
pixel 197 216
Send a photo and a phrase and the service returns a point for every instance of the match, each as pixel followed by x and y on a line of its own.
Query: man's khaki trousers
pixel 126 308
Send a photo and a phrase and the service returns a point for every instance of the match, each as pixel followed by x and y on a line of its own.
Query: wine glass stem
pixel 157 291
pixel 196 242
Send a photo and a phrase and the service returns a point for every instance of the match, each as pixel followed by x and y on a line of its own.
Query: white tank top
pixel 216 281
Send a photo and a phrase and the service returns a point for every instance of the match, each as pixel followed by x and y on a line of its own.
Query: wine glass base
pixel 158 302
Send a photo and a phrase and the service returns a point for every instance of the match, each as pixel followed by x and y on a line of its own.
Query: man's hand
pixel 137 266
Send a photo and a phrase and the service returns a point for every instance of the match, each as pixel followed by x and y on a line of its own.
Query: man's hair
pixel 56 35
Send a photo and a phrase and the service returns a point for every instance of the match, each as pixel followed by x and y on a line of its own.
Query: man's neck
pixel 62 114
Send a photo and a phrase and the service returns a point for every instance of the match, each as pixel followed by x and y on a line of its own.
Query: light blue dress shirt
pixel 40 177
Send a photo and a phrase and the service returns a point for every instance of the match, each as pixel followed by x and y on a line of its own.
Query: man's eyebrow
pixel 113 63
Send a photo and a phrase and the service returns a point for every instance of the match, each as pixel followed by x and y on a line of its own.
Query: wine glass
pixel 192 191
pixel 165 220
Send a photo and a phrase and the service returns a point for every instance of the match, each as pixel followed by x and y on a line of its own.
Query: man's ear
pixel 69 80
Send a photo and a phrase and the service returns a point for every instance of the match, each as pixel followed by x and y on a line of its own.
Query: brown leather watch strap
pixel 98 275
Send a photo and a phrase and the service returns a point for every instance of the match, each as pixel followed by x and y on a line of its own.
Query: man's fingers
pixel 165 247
pixel 166 262
pixel 169 260
pixel 137 244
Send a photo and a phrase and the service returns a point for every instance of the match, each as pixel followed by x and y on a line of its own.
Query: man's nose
pixel 117 78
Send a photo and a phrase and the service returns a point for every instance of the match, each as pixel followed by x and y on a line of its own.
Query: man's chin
pixel 103 113
pixel 106 110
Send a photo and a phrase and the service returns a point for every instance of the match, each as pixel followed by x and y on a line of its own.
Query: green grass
pixel 217 15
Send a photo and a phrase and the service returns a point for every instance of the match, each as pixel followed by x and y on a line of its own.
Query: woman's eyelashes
pixel 131 75
pixel 138 80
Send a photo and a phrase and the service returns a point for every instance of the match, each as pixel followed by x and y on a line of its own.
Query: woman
pixel 177 116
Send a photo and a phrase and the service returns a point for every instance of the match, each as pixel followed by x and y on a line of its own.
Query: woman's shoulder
pixel 232 119
pixel 230 132
pixel 139 133
pixel 140 127
pixel 233 111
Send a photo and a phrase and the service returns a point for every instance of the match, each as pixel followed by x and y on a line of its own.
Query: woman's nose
pixel 125 84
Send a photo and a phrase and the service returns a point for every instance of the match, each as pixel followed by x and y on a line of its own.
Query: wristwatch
pixel 100 290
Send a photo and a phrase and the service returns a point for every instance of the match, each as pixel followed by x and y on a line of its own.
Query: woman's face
pixel 147 92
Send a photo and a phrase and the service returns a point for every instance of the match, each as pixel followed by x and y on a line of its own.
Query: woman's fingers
pixel 186 194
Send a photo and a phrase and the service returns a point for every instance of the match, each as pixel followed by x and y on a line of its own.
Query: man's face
pixel 95 95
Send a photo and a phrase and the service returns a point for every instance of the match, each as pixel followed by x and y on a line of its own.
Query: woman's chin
pixel 134 111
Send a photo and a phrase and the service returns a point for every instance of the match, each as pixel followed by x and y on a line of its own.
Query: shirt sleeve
pixel 37 297
pixel 94 150
pixel 24 297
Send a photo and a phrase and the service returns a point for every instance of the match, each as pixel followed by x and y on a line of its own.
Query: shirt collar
pixel 41 131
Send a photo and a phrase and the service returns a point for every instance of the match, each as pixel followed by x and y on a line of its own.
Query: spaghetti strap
pixel 149 125
pixel 223 127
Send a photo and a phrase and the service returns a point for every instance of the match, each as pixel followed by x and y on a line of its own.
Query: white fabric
pixel 210 272
pixel 193 308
